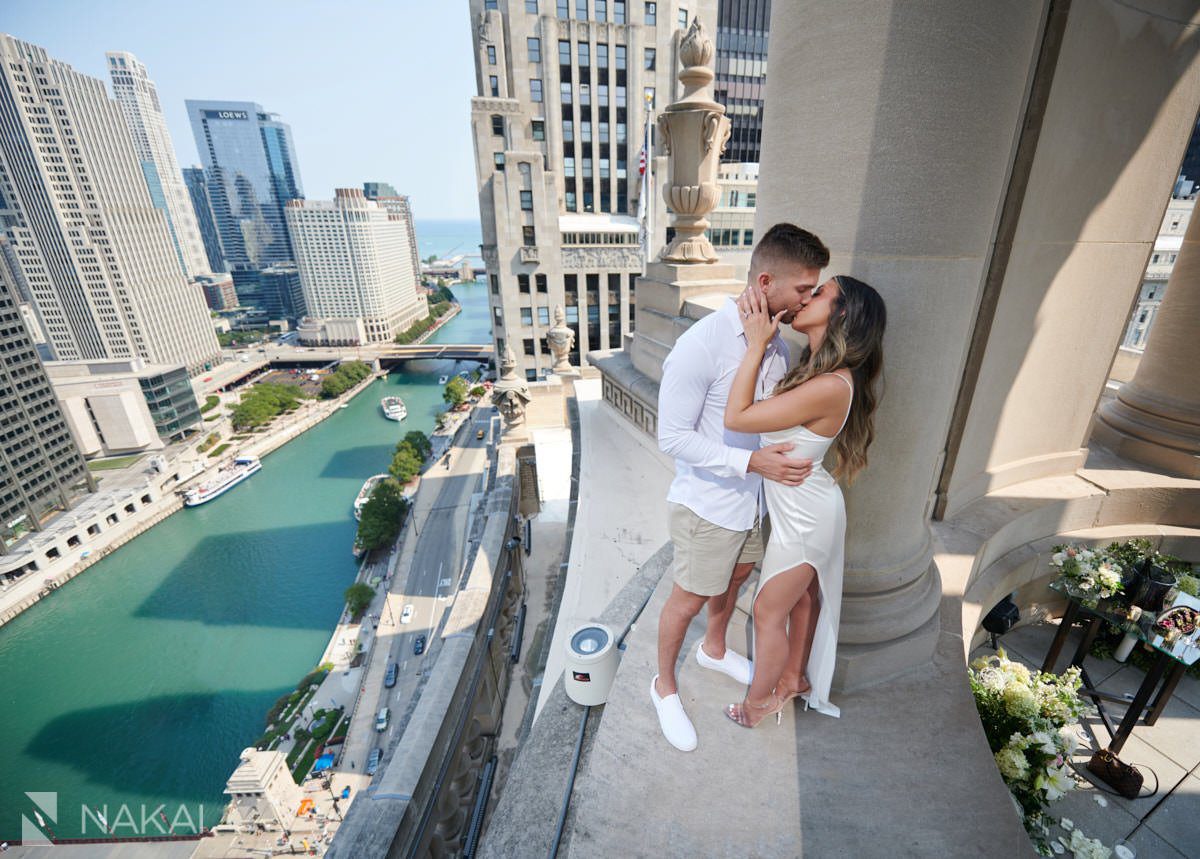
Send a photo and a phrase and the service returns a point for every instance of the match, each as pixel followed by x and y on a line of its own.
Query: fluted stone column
pixel 1155 418
pixel 889 131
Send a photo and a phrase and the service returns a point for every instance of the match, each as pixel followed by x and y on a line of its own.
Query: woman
pixel 826 401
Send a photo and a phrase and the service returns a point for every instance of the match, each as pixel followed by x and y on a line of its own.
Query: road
pixel 427 582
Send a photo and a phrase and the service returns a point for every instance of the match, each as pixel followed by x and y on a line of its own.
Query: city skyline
pixel 339 94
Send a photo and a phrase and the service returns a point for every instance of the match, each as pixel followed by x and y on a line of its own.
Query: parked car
pixel 419 645
pixel 381 721
pixel 407 615
pixel 390 680
pixel 373 761
pixel 479 434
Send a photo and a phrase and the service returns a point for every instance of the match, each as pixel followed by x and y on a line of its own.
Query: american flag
pixel 642 161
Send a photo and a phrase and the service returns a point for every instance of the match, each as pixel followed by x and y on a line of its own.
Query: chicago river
pixel 139 682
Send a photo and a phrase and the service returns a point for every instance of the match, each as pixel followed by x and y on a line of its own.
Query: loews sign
pixel 226 114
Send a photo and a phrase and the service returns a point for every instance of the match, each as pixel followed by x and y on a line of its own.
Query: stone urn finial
pixel 510 394
pixel 694 131
pixel 560 339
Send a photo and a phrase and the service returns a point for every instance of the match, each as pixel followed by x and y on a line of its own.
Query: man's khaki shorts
pixel 705 554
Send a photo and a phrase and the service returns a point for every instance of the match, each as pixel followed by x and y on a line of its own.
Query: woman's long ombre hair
pixel 854 340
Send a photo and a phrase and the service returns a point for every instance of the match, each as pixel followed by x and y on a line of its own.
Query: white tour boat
pixel 225 479
pixel 393 408
pixel 364 494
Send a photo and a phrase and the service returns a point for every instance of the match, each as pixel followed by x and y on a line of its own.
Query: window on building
pixel 491 54
pixel 526 315
pixel 494 85
pixel 602 95
pixel 587 167
pixel 581 10
pixel 533 46
pixel 530 347
pixel 683 19
pixel 540 281
pixel 535 90
pixel 562 9
pixel 748 237
pixel 602 56
pixel 620 96
pixel 497 125
pixel 604 132
pixel 498 318
pixel 531 6
pixel 651 13
pixel 523 283
pixel 618 11
pixel 751 199
pixel 564 91
pixel 589 201
pixel 604 170
pixel 570 201
pixel 650 59
pixel 621 132
pixel 495 284
pixel 620 57
pixel 528 237
pixel 568 130
pixel 585 95
pixel 564 53
pixel 489 4
pixel 1142 318
pixel 543 315
pixel 601 10
pixel 568 166
pixel 526 201
pixel 537 129
pixel 585 54
pixel 498 160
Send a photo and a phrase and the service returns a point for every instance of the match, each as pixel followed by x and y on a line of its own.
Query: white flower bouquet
pixel 1087 574
pixel 1029 720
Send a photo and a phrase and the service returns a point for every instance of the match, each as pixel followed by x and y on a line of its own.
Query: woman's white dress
pixel 808 525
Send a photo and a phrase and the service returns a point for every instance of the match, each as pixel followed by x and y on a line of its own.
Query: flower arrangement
pixel 1027 717
pixel 1088 574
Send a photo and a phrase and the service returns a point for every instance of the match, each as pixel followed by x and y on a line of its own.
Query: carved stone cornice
pixel 594 258
pixel 488 104
pixel 528 253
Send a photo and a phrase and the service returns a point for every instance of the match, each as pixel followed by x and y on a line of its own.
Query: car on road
pixel 373 761
pixel 381 721
pixel 419 645
pixel 390 680
pixel 479 434
pixel 407 615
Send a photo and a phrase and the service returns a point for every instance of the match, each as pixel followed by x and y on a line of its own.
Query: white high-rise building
pixel 138 98
pixel 565 90
pixel 95 252
pixel 355 261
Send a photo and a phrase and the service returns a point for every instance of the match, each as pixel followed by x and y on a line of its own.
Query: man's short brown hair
pixel 788 244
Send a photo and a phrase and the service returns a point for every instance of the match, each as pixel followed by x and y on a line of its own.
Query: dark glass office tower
pixel 197 186
pixel 742 27
pixel 250 163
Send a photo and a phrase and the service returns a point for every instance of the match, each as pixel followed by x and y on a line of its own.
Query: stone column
pixel 889 132
pixel 1155 418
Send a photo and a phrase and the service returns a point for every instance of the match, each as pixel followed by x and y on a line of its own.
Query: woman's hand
pixel 757 322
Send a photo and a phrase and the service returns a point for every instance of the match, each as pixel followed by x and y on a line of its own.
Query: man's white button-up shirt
pixel 710 460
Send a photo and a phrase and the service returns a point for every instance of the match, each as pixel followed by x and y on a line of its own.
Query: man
pixel 714 503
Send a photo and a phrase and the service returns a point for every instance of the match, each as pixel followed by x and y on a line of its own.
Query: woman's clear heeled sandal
pixel 802 694
pixel 739 713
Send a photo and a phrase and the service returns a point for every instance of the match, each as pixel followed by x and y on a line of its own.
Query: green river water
pixel 139 682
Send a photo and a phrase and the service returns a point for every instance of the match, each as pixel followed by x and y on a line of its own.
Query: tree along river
pixel 140 681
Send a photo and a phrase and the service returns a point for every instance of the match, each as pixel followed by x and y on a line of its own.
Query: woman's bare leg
pixel 772 609
pixel 802 626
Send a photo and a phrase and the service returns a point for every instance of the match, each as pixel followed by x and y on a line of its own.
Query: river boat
pixel 227 477
pixel 393 408
pixel 443 380
pixel 364 494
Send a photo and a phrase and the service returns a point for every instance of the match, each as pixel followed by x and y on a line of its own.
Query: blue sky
pixel 373 90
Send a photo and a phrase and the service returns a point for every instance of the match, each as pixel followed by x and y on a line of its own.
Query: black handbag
pixel 1124 778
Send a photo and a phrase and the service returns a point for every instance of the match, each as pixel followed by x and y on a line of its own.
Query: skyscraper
pixel 565 89
pixel 95 253
pixel 197 186
pixel 396 203
pixel 138 98
pixel 41 468
pixel 250 163
pixel 742 27
pixel 355 263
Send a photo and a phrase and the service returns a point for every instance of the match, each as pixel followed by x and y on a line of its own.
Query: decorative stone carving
pixel 560 339
pixel 528 253
pixel 694 131
pixel 600 258
pixel 490 255
pixel 510 394
pixel 484 28
pixel 488 104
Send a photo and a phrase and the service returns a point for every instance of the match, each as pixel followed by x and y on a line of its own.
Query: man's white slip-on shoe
pixel 733 664
pixel 675 724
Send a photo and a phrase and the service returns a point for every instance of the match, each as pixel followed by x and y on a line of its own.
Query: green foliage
pixel 381 517
pixel 212 439
pixel 419 442
pixel 263 402
pixel 415 330
pixel 358 597
pixel 221 448
pixel 443 294
pixel 478 391
pixel 406 463
pixel 456 391
pixel 244 336
pixel 345 377
pixel 210 403
pixel 438 310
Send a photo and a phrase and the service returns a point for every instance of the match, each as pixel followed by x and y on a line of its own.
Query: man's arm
pixel 687 374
